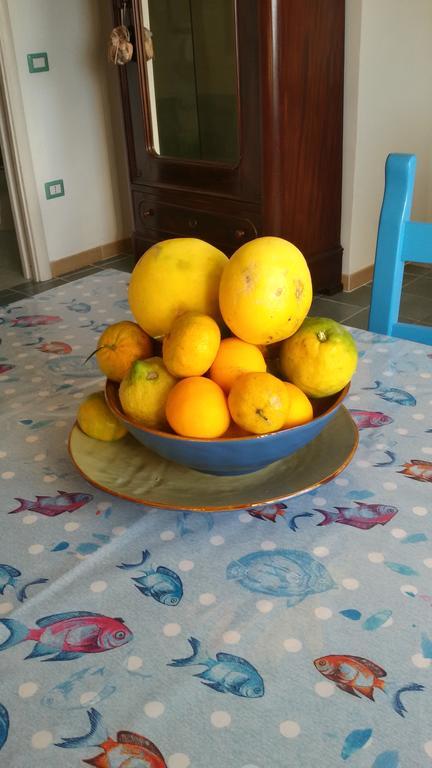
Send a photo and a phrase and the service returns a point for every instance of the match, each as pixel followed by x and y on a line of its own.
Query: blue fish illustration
pixel 78 306
pixel 289 573
pixel 36 424
pixel 9 577
pixel 377 620
pixel 189 523
pixel 68 694
pixel 160 583
pixel 351 613
pixel 96 325
pixel 355 741
pixel 73 366
pixel 4 725
pixel 391 458
pixel 292 521
pixel 393 394
pixel 122 304
pixel 226 673
pixel 414 538
pixel 387 760
pixel 426 646
pixel 405 570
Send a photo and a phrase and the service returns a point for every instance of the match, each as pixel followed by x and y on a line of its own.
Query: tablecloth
pixel 299 634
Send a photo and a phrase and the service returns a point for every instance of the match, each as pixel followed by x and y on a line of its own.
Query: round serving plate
pixel 127 469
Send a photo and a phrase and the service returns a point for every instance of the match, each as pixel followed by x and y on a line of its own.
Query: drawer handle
pixel 239 234
pixel 192 223
pixel 147 212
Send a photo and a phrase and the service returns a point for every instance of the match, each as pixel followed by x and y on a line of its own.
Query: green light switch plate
pixel 37 62
pixel 54 189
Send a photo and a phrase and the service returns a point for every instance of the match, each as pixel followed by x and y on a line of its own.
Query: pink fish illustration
pixel 417 469
pixel 51 506
pixel 364 517
pixel 67 636
pixel 56 347
pixel 366 419
pixel 29 321
pixel 268 512
pixel 5 367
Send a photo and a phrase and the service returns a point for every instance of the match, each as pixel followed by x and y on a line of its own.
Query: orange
pixel 96 420
pixel 143 392
pixel 234 358
pixel 299 407
pixel 119 346
pixel 172 277
pixel 191 345
pixel 258 402
pixel 197 407
pixel 265 291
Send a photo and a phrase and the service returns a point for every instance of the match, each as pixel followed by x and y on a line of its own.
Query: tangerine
pixel 235 357
pixel 197 407
pixel 258 402
pixel 119 346
pixel 191 345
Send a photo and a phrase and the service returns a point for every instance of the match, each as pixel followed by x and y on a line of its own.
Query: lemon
pixel 144 391
pixel 191 345
pixel 96 420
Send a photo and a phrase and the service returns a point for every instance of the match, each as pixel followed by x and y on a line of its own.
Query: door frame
pixel 17 158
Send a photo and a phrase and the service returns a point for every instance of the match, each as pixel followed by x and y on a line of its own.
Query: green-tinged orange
pixel 144 391
pixel 96 420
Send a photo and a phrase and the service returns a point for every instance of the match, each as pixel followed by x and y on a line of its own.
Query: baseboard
pixel 85 258
pixel 351 282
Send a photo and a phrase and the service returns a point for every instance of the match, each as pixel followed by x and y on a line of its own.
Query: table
pixel 289 675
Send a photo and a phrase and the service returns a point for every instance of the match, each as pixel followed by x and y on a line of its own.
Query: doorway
pixel 11 271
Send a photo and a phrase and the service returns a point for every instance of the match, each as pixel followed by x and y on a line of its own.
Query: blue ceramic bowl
pixel 228 455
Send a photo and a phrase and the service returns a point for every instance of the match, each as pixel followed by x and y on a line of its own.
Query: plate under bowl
pixel 128 469
pixel 232 455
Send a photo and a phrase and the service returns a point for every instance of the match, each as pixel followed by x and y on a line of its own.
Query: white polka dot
pixel 220 719
pixel 32 439
pixel 72 526
pixel 207 598
pixel 387 373
pixel 366 360
pixel 428 748
pixel 39 457
pixel 390 486
pixel 167 535
pixel 402 431
pixel 134 662
pixel 27 689
pixel 354 398
pixel 420 511
pixel 119 531
pixel 8 475
pixel 428 562
pixel 3 454
pixel 323 613
pixel 268 545
pixel 36 549
pixel 381 446
pixel 321 551
pixel 350 583
pixel 292 645
pixel 41 739
pixel 5 607
pixel 43 393
pixel 217 541
pixel 408 588
pixel 231 637
pixel 245 517
pixel 49 478
pixel 29 519
pixel 398 533
pixel 86 697
pixel 10 391
pixel 427 449
pixel 186 565
pixel 320 500
pixel 425 375
pixel 376 557
pixel 419 661
pixel 290 729
pixel 103 506
pixel 388 623
pixel 341 481
pixel 98 586
pixel 418 416
pixel 325 689
pixel 264 606
pixel 59 423
pixel 362 463
pixel 154 708
pixel 178 760
pixel 171 630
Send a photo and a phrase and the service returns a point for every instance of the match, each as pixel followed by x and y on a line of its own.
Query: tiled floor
pixel 348 308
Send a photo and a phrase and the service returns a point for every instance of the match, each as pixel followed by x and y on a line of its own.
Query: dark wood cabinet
pixel 284 173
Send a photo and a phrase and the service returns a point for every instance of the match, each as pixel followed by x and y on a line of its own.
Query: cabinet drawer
pixel 168 219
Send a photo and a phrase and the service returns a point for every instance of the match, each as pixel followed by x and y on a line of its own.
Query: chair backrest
pixel 399 240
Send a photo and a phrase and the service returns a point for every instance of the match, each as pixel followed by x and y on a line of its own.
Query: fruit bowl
pixel 228 455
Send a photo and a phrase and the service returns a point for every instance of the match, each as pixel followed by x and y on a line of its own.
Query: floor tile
pixel 415 307
pixel 68 276
pixel 29 288
pixel 418 269
pixel 125 264
pixel 334 309
pixel 360 297
pixel 105 262
pixel 359 319
pixel 420 287
pixel 9 296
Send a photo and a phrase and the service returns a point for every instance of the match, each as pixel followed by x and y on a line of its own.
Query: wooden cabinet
pixel 256 149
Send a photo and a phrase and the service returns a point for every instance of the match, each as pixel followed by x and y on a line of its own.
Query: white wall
pixel 73 116
pixel 388 108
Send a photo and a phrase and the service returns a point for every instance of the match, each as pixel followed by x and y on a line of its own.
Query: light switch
pixel 37 62
pixel 54 189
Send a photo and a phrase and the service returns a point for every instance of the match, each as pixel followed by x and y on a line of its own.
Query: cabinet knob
pixel 239 234
pixel 146 212
pixel 192 223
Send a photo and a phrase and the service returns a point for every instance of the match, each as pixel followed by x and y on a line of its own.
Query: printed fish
pixel 365 517
pixel 190 524
pixel 370 419
pixel 417 469
pixel 96 325
pixel 73 366
pixel 68 635
pixel 354 741
pixel 29 321
pixel 226 673
pixel 9 576
pixel 56 348
pixel 393 394
pixel 51 506
pixel 268 512
pixel 5 367
pixel 160 583
pixel 359 676
pixel 289 573
pixel 78 306
pixel 4 725
pixel 67 694
pixel 128 750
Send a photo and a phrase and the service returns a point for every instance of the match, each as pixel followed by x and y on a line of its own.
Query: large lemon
pixel 172 277
pixel 265 291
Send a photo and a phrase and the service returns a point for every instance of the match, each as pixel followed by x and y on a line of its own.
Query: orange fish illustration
pixel 359 676
pixel 417 469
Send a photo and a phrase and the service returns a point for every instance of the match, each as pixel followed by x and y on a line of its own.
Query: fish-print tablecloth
pixel 298 635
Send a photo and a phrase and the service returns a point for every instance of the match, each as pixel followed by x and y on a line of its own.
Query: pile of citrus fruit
pixel 220 347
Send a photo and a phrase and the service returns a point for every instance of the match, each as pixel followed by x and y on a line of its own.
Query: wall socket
pixel 54 189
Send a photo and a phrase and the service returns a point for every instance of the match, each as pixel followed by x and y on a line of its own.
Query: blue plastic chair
pixel 399 240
